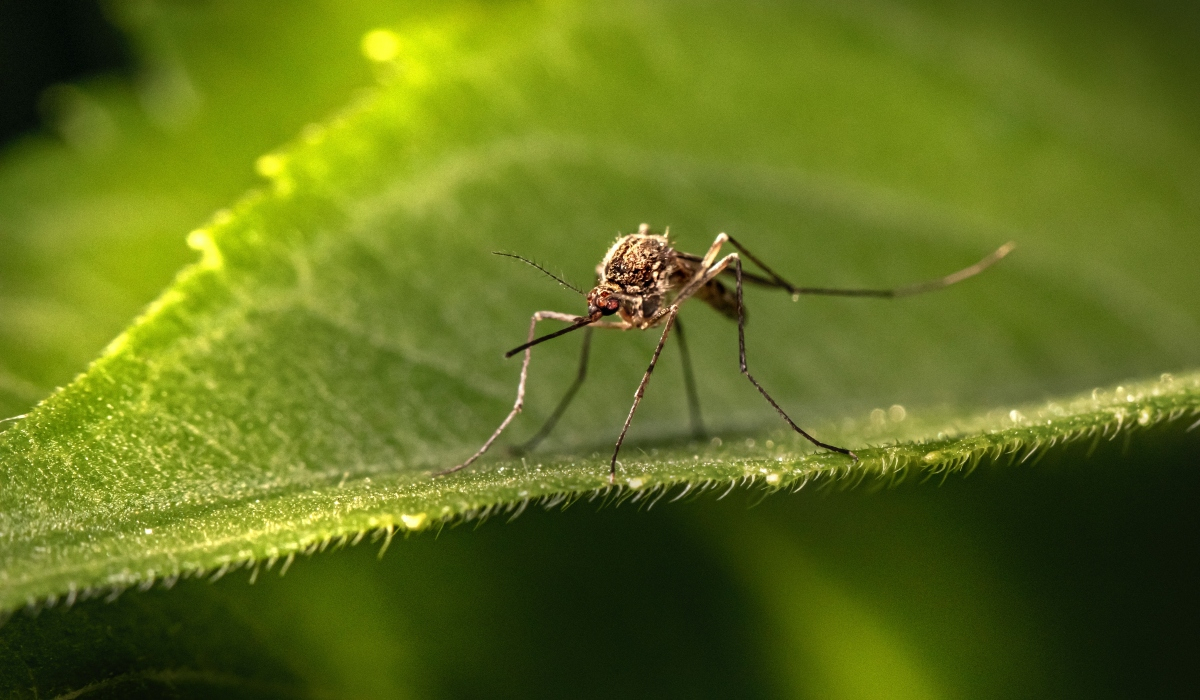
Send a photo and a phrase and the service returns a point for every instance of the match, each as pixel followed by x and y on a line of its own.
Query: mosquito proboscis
pixel 643 280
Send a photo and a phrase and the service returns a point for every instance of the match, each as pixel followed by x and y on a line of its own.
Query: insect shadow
pixel 643 280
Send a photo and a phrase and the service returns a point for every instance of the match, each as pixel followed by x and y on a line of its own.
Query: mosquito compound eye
pixel 609 306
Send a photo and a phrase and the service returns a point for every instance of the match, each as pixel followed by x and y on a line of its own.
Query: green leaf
pixel 341 337
pixel 93 215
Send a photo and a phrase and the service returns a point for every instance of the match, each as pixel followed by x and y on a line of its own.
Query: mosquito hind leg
pixel 774 280
pixel 737 267
pixel 566 400
pixel 689 383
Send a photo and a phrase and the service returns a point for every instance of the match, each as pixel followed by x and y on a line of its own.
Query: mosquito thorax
pixel 638 264
pixel 638 271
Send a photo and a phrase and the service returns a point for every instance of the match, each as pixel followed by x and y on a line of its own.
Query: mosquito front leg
pixel 566 399
pixel 641 390
pixel 520 402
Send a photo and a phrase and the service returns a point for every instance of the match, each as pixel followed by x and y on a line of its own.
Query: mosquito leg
pixel 641 390
pixel 775 279
pixel 520 402
pixel 689 382
pixel 552 421
pixel 713 251
pixel 702 278
pixel 894 293
pixel 737 267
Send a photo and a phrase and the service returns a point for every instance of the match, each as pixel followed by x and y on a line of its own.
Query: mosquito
pixel 643 280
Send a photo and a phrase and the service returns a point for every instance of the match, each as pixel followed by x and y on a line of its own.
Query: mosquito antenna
pixel 5 420
pixel 556 278
pixel 583 321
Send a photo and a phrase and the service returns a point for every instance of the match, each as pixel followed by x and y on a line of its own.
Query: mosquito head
pixel 603 301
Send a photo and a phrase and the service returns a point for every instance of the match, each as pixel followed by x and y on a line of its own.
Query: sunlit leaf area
pixel 249 311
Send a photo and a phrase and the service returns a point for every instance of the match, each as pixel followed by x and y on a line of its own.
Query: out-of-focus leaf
pixel 94 210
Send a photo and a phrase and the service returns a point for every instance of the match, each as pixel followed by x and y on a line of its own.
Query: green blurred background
pixel 1069 578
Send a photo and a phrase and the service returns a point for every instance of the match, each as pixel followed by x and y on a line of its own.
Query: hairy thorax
pixel 641 269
